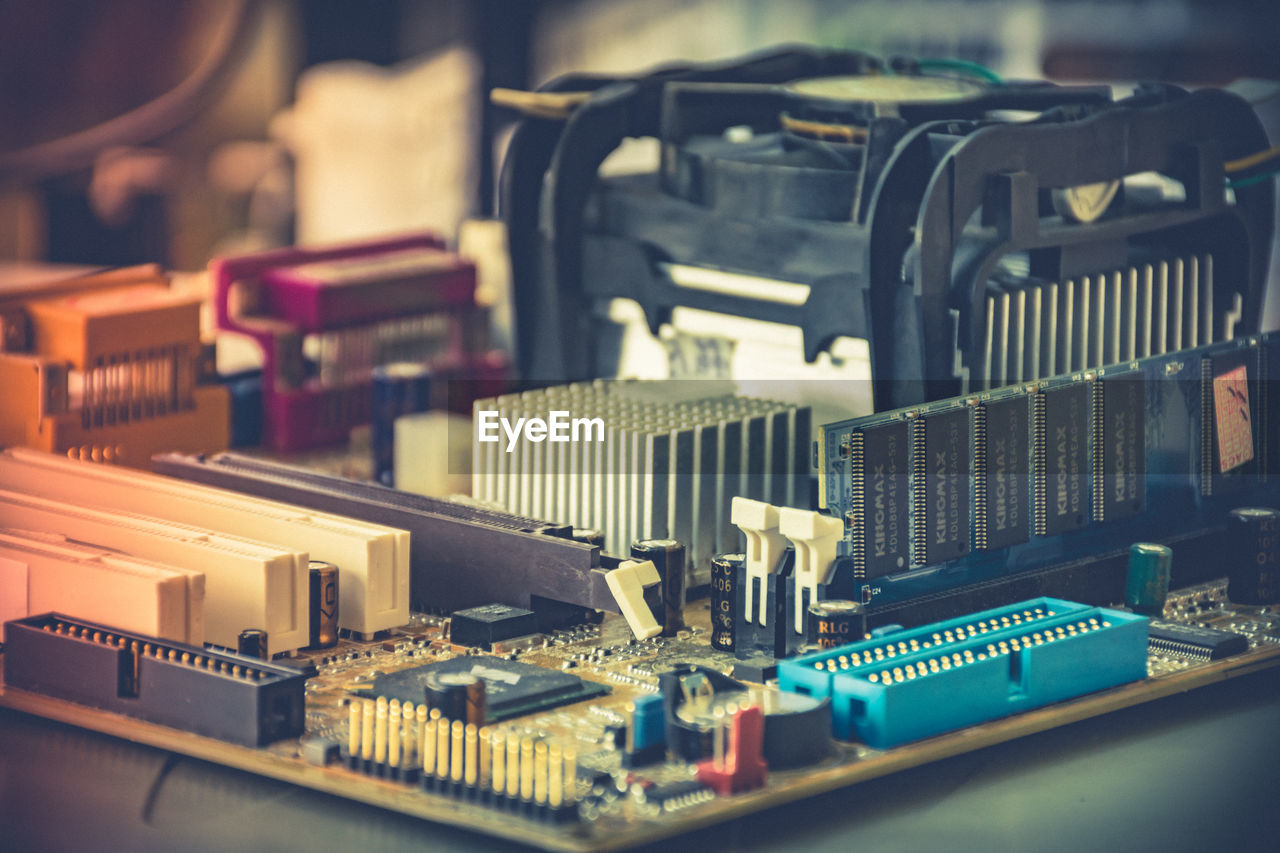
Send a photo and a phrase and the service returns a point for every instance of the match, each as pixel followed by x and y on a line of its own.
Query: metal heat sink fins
pixel 672 456
pixel 1037 329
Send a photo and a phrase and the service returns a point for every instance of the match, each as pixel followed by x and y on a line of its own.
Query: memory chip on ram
pixel 1061 457
pixel 1120 447
pixel 879 512
pixel 942 464
pixel 1002 472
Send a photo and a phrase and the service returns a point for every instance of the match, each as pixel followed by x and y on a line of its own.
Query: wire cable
pixel 1252 179
pixel 1252 160
pixel 963 66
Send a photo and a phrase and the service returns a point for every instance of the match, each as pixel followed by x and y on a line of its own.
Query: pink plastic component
pixel 277 297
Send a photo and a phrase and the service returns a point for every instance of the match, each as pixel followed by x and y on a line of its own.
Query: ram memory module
pixel 1025 479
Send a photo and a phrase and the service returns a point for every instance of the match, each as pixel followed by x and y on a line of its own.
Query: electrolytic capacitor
pixel 1146 585
pixel 589 535
pixel 323 580
pixel 252 642
pixel 400 388
pixel 1253 555
pixel 835 622
pixel 724 585
pixel 667 556
pixel 477 702
pixel 454 694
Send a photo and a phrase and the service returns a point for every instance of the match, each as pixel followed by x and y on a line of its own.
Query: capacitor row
pixel 403 737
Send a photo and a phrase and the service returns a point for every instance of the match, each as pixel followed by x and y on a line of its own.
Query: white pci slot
pixel 247 584
pixel 96 585
pixel 13 591
pixel 372 560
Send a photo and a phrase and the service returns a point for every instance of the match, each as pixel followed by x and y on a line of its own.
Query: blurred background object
pixel 171 130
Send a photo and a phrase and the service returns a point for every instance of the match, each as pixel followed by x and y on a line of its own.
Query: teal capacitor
pixel 1146 586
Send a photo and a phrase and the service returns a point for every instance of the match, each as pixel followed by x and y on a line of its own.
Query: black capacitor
pixel 1253 555
pixel 724 580
pixel 399 388
pixel 668 558
pixel 454 694
pixel 252 642
pixel 323 578
pixel 589 535
pixel 760 645
pixel 797 728
pixel 835 622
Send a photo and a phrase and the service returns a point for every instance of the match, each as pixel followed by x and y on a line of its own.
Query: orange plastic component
pixel 107 368
pixel 92 329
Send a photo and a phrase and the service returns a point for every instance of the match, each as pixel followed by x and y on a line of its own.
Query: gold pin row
pixel 385 731
pixel 906 647
pixel 157 651
pixel 899 674
pixel 401 735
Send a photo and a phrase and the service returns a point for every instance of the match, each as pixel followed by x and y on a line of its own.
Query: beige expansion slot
pixel 247 584
pixel 372 559
pixel 87 582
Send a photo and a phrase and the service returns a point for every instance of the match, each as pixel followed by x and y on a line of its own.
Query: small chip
pixel 880 475
pixel 942 494
pixel 491 623
pixel 1194 642
pixel 319 751
pixel 1122 459
pixel 1063 430
pixel 757 670
pixel 1006 473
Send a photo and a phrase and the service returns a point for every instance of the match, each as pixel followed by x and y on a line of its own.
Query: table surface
pixel 1197 771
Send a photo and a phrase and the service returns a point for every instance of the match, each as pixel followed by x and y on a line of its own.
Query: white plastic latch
pixel 816 537
pixel 627 583
pixel 759 521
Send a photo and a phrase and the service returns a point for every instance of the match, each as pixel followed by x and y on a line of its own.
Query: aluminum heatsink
pixel 665 461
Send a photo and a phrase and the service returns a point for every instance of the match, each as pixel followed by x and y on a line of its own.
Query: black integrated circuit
pixel 1062 458
pixel 512 689
pixel 942 464
pixel 1002 472
pixel 1195 642
pixel 491 623
pixel 1120 447
pixel 880 467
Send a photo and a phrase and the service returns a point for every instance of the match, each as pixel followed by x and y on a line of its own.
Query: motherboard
pixel 639 575
pixel 605 804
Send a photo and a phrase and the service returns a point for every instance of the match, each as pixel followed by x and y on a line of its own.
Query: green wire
pixel 1254 179
pixel 963 66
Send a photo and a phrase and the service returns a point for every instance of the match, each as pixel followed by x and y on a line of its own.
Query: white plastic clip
pixel 759 521
pixel 627 583
pixel 815 536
